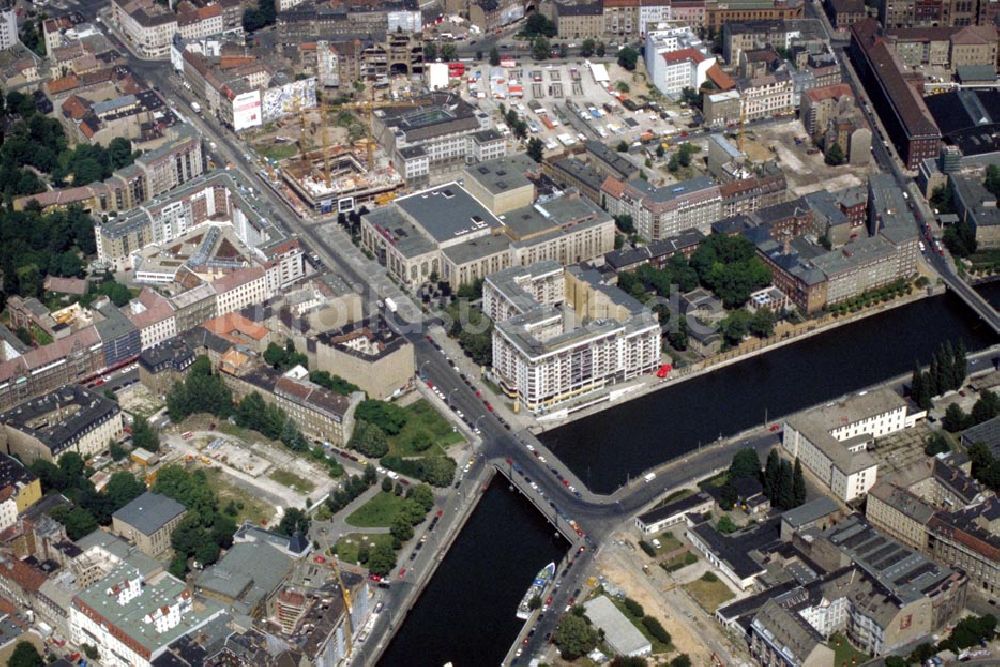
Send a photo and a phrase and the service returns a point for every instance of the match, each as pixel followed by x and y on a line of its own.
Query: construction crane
pixel 346 593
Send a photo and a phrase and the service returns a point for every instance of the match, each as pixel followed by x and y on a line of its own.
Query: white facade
pixel 768 97
pixel 148 27
pixel 676 59
pixel 8 29
pixel 403 20
pixel 8 513
pixel 247 292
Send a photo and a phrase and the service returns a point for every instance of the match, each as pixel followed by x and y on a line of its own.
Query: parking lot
pixel 564 104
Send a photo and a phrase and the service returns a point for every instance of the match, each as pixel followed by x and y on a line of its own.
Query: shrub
pixel 634 608
pixel 709 577
pixel 647 547
pixel 655 629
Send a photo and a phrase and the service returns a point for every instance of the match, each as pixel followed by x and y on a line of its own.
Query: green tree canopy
pixel 25 655
pixel 574 636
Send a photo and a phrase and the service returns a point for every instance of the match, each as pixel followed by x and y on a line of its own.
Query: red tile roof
pixel 829 92
pixel 671 57
pixel 720 78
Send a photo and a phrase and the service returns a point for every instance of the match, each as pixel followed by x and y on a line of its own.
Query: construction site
pixel 328 158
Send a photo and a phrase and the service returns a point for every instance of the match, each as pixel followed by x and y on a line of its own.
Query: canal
pixel 609 447
pixel 467 613
pixel 991 292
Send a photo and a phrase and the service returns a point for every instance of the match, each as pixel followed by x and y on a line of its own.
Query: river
pixel 466 615
pixel 607 448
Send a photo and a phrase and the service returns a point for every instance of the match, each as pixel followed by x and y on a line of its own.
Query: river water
pixel 466 615
pixel 607 448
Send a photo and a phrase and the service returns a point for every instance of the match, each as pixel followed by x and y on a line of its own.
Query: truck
pixel 196 107
pixel 390 305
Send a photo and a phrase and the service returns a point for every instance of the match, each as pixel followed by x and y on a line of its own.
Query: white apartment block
pixel 548 356
pixel 148 27
pixel 201 23
pixel 8 28
pixel 518 289
pixel 666 211
pixel 8 513
pixel 241 289
pixel 832 441
pixel 768 96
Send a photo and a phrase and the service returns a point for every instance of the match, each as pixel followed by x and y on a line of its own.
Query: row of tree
pixel 984 409
pixel 947 372
pixel 784 484
pixel 284 358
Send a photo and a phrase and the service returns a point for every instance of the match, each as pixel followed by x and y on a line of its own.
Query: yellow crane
pixel 346 594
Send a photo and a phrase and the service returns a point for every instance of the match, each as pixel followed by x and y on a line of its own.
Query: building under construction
pixel 350 182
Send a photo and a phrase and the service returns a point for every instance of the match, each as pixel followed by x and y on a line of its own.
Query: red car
pixel 774 427
pixel 440 513
pixel 402 573
pixel 565 482
pixel 375 577
pixel 489 407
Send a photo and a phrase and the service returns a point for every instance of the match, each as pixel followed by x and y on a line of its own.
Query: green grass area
pixel 709 594
pixel 421 416
pixel 715 482
pixel 292 481
pixel 680 494
pixel 41 336
pixel 277 151
pixel 248 506
pixel 349 545
pixel 379 511
pixel 668 542
pixel 679 562
pixel 844 653
pixel 658 646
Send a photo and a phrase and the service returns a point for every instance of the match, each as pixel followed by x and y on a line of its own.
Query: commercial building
pixel 70 418
pixel 832 441
pixel 588 338
pixel 619 632
pixel 147 26
pixel 977 206
pixel 659 212
pixel 720 12
pixel 909 13
pixel 904 114
pixel 368 354
pixel 446 232
pixel 947 47
pixel 148 522
pixel 502 185
pixel 658 519
pixel 429 138
pixel 246 579
pixel 738 556
pixel 721 109
pixel 131 619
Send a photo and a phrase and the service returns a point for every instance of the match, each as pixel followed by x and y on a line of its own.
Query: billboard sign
pixel 247 110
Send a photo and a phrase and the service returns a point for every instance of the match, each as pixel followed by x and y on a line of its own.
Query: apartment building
pixel 131 619
pixel 660 212
pixel 740 36
pixel 198 22
pixel 768 96
pixel 19 490
pixel 8 28
pixel 676 59
pixel 942 46
pixel 899 513
pixel 832 441
pixel 518 289
pixel 147 26
pixel 70 418
pixel 579 21
pixel 720 12
pixel 549 356
pixel 911 13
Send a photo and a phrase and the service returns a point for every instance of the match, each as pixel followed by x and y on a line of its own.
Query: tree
pixel 960 238
pixel 587 47
pixel 970 631
pixel 382 559
pixel 535 603
pixel 449 53
pixel 494 57
pixel 634 608
pixel 386 484
pixel 895 661
pixel 798 484
pixel 387 416
pixel 919 389
pixel 538 24
pixel 993 179
pixel 624 223
pixel 761 323
pixel 78 521
pixel 401 529
pixel 143 434
pixel 370 440
pixel 954 419
pixel 430 52
pixel 541 48
pixel 986 408
pixel 681 660
pixel 563 50
pixel 834 155
pixel 123 488
pixel 599 49
pixel 786 488
pixel 745 463
pixel 622 147
pixel 936 443
pixel 294 520
pixel 25 655
pixel 726 525
pixel 627 58
pixel 652 624
pixel 574 636
pixel 772 475
pixel 534 149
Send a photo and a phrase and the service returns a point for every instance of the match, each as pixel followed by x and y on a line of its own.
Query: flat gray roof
pixel 502 174
pixel 619 632
pixel 149 512
pixel 809 512
pixel 448 212
pixel 248 572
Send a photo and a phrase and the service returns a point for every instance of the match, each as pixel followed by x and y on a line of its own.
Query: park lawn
pixel 254 509
pixel 680 494
pixel 277 151
pixel 716 481
pixel 679 562
pixel 347 545
pixel 421 416
pixel 658 646
pixel 380 511
pixel 844 652
pixel 709 594
pixel 292 481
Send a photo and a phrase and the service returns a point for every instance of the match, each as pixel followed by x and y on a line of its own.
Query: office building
pixel 832 441
pixel 368 354
pixel 660 212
